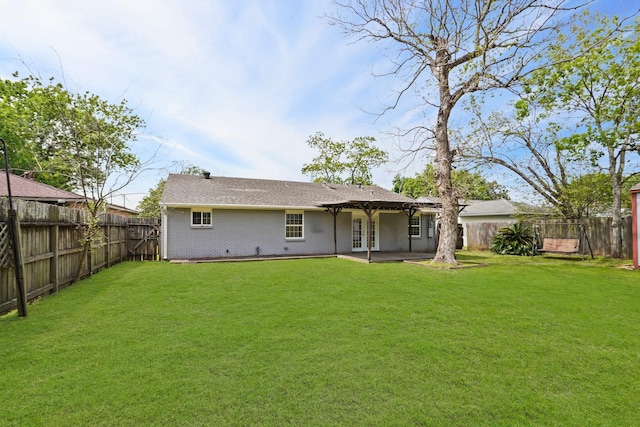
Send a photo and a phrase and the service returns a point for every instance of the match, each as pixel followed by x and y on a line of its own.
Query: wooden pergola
pixel 370 208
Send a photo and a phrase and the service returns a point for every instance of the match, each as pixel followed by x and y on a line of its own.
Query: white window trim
pixel 418 226
pixel 301 225
pixel 201 211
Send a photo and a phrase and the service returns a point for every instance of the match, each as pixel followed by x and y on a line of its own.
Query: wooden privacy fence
pixel 51 243
pixel 480 234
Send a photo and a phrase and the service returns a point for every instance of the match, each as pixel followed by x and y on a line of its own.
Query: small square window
pixel 201 219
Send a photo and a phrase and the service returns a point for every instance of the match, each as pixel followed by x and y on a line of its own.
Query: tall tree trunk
pixel 83 260
pixel 91 229
pixel 615 173
pixel 616 223
pixel 446 251
pixel 448 231
pixel 616 233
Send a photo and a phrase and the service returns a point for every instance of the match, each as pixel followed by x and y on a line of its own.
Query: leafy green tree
pixel 13 120
pixel 601 88
pixel 30 123
pixel 524 143
pixel 75 141
pixel 410 187
pixel 149 206
pixel 82 140
pixel 590 194
pixel 468 185
pixel 343 162
pixel 445 50
pixel 96 148
pixel 327 166
pixel 473 186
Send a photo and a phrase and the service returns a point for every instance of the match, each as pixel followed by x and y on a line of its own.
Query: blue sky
pixel 235 87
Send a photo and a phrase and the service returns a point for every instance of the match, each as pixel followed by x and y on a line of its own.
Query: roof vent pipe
pixel 207 175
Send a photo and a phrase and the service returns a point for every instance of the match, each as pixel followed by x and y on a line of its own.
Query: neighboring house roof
pixel 192 190
pixel 500 207
pixel 28 189
pixel 121 210
pixel 428 199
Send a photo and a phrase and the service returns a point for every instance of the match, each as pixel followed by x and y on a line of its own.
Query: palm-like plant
pixel 517 239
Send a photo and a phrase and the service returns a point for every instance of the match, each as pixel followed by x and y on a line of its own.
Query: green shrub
pixel 517 239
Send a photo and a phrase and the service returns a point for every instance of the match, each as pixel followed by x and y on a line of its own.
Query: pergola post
pixel 334 211
pixel 410 212
pixel 369 212
pixel 369 224
pixel 370 208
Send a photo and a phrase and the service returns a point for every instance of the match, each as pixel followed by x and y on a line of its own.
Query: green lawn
pixel 526 341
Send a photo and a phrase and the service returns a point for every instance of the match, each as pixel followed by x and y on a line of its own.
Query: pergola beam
pixel 370 208
pixel 410 212
pixel 369 211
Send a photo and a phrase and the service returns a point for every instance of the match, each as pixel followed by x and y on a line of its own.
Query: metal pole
pixel 17 256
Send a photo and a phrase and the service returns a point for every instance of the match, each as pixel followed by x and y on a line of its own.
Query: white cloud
pixel 233 87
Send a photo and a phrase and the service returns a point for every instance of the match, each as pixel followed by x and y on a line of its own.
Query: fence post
pixel 55 254
pixel 108 247
pixel 123 232
pixel 90 258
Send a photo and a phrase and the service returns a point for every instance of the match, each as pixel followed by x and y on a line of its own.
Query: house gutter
pixel 242 207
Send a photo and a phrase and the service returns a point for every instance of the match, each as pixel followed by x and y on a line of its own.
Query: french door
pixel 359 229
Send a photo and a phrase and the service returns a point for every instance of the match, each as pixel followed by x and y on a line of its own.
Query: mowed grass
pixel 329 342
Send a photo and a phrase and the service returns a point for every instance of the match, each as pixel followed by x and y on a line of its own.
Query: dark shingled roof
pixel 191 190
pixel 29 189
pixel 24 188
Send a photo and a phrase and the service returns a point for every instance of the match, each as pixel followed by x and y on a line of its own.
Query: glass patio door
pixel 359 233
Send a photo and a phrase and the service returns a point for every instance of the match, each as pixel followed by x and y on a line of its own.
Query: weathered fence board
pixel 143 240
pixel 480 234
pixel 51 239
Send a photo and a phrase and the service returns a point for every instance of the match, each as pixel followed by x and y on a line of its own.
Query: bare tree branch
pixel 466 46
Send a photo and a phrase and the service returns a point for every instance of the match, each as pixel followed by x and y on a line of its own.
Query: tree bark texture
pixel 445 253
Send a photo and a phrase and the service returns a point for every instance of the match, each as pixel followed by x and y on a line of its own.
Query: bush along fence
pixel 51 243
pixel 480 234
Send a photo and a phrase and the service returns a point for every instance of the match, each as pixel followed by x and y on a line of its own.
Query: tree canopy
pixel 576 120
pixel 443 51
pixel 343 162
pixel 602 89
pixel 149 206
pixel 71 141
pixel 33 128
pixel 469 185
pixel 76 141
